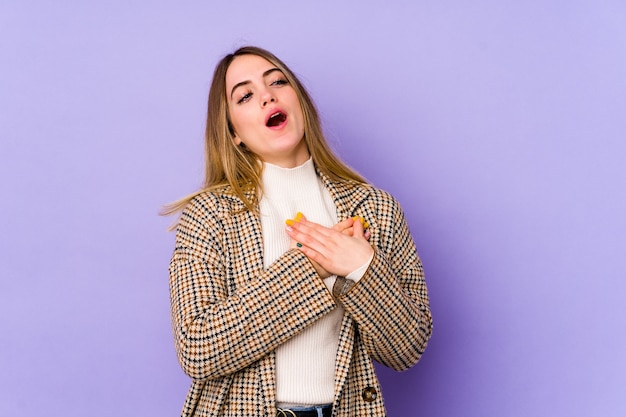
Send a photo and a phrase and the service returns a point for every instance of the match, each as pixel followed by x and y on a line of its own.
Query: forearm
pixel 218 334
pixel 390 302
pixel 392 314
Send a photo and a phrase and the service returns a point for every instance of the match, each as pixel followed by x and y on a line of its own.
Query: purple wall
pixel 500 126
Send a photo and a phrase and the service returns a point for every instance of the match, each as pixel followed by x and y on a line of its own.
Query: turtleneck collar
pixel 279 182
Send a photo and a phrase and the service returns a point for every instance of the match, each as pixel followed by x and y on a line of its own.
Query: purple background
pixel 499 125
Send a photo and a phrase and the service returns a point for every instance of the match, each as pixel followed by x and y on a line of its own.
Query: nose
pixel 267 97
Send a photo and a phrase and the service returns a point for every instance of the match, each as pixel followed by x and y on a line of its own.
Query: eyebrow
pixel 265 74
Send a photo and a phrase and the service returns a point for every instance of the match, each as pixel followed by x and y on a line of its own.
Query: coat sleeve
pixel 390 303
pixel 219 329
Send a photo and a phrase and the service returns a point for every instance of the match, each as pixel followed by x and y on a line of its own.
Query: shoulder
pixel 387 208
pixel 211 206
pixel 378 197
pixel 382 196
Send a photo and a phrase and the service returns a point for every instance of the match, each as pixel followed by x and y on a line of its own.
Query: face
pixel 265 111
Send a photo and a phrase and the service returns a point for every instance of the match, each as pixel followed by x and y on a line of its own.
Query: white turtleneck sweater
pixel 305 364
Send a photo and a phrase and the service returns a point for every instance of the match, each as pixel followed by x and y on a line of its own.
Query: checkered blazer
pixel 229 313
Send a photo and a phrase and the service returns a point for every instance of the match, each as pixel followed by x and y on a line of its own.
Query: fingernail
pixel 289 222
pixel 299 216
pixel 362 220
pixel 299 244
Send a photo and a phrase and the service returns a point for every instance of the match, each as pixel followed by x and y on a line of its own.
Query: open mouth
pixel 276 119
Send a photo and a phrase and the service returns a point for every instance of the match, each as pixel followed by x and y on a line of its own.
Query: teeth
pixel 279 115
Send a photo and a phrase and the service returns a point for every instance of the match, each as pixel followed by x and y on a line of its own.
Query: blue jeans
pixel 314 411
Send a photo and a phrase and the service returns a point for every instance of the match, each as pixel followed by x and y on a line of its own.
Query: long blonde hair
pixel 236 166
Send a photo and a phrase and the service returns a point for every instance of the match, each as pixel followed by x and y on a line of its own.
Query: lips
pixel 276 119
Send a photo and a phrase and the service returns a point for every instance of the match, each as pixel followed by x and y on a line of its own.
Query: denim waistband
pixel 314 411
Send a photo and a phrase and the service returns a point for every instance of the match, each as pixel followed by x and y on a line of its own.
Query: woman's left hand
pixel 337 252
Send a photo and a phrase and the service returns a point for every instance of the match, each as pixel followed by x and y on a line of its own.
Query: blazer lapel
pixel 348 198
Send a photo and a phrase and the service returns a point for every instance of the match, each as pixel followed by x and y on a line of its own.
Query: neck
pixel 294 159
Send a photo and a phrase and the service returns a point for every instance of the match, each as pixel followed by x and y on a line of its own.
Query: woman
pixel 290 272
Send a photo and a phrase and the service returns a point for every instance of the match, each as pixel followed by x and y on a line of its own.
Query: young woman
pixel 290 272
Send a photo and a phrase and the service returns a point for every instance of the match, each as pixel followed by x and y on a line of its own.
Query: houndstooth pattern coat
pixel 229 313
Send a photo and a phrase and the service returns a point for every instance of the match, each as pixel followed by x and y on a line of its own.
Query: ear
pixel 237 141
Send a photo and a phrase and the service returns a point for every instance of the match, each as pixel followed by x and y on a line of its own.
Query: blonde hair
pixel 229 165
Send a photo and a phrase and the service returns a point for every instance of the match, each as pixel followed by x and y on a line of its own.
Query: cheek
pixel 299 113
pixel 300 116
pixel 238 120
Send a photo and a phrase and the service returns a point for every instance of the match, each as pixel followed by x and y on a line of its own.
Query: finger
pixel 340 259
pixel 317 257
pixel 305 235
pixel 348 232
pixel 311 228
pixel 358 229
pixel 362 221
pixel 322 241
pixel 343 225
